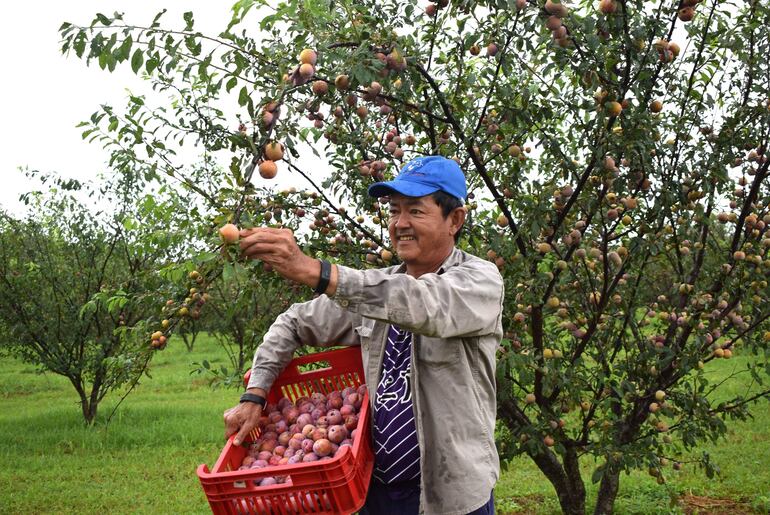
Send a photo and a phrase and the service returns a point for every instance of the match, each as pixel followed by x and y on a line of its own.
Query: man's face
pixel 418 230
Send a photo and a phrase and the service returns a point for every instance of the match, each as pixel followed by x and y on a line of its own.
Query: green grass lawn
pixel 145 460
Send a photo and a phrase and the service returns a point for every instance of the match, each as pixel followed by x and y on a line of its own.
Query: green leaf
pixel 151 65
pixel 188 18
pixel 243 97
pixel 137 60
pixel 101 19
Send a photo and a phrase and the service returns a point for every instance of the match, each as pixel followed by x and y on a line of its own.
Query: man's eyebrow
pixel 410 201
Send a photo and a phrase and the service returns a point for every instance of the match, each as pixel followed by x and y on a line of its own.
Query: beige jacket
pixel 455 315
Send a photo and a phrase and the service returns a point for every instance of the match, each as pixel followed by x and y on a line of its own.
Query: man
pixel 428 331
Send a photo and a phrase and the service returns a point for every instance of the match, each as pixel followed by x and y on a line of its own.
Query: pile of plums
pixel 309 429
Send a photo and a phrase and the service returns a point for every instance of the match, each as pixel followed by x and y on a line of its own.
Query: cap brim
pixel 406 188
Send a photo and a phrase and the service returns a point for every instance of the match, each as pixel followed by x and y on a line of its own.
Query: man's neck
pixel 417 270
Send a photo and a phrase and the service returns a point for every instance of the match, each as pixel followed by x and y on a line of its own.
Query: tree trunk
pixel 608 491
pixel 189 338
pixel 574 479
pixel 572 500
pixel 89 411
pixel 88 406
pixel 566 480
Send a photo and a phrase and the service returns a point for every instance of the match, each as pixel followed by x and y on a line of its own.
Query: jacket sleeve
pixel 464 301
pixel 319 322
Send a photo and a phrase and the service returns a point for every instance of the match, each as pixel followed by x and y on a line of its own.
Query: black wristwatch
pixel 253 397
pixel 326 275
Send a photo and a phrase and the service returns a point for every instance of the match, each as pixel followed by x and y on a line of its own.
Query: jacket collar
pixel 454 258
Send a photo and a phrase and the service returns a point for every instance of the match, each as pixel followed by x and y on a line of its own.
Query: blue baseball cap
pixel 422 176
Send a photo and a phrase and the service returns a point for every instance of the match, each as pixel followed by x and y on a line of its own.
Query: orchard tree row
pixel 81 289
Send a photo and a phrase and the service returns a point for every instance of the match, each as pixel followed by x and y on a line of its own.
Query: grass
pixel 145 460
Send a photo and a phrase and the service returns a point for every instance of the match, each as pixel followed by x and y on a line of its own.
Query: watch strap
pixel 253 397
pixel 326 275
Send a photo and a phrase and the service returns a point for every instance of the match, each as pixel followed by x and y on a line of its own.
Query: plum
pixel 351 422
pixel 318 397
pixel 268 445
pixel 281 426
pixel 307 445
pixel 320 433
pixel 248 461
pixel 283 403
pixel 355 400
pixel 347 391
pixel 334 417
pixel 307 430
pixel 268 481
pixel 306 407
pixel 273 461
pixel 269 435
pixel 296 441
pixel 280 450
pixel 283 438
pixel 290 413
pixel 334 403
pixel 322 421
pixel 304 419
pixel 337 433
pixel 264 455
pixel 361 390
pixel 311 456
pixel 259 464
pixel 322 447
pixel 318 413
pixel 346 410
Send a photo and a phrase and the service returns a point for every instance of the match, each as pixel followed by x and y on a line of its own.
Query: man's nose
pixel 402 221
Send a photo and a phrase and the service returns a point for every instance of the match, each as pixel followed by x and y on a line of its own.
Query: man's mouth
pixel 405 238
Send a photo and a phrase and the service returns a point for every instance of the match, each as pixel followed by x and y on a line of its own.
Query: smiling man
pixel 428 330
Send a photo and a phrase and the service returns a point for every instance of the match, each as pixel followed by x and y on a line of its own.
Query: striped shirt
pixel 397 451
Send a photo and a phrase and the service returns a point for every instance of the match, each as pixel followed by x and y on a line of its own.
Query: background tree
pixel 615 155
pixel 78 286
pixel 240 312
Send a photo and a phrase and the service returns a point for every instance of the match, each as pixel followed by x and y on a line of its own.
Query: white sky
pixel 44 95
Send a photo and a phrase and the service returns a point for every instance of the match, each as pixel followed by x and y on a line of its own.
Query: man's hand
pixel 242 419
pixel 278 248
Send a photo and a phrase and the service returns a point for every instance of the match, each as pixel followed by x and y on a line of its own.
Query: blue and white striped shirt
pixel 397 451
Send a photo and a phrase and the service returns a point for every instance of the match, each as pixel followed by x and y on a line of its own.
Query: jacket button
pixel 344 303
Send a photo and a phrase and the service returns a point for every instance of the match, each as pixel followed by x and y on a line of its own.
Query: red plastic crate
pixel 334 486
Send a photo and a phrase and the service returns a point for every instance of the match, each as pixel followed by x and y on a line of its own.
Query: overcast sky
pixel 44 95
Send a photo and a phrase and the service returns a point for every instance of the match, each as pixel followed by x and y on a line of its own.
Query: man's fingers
pixel 243 433
pixel 250 419
pixel 231 422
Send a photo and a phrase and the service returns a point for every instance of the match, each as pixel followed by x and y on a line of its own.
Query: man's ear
pixel 457 219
